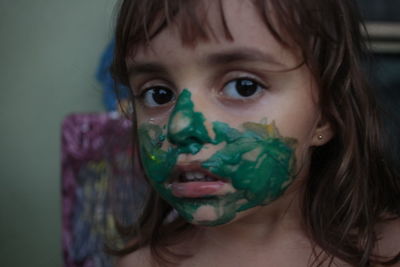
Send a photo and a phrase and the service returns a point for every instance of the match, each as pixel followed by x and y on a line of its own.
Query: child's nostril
pixel 193 139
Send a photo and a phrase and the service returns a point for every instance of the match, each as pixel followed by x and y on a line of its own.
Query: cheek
pixel 156 161
pixel 300 124
pixel 303 131
pixel 303 149
pixel 160 119
pixel 258 161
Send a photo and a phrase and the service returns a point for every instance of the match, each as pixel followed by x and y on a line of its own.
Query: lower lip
pixel 197 189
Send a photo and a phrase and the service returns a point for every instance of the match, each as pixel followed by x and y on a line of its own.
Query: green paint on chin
pixel 187 208
pixel 257 160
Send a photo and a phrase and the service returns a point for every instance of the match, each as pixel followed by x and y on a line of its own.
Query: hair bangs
pixel 141 21
pixel 294 24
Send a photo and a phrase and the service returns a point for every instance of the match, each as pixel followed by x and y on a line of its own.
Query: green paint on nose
pixel 186 127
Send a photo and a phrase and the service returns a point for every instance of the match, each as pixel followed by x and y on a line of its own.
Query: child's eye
pixel 157 96
pixel 242 88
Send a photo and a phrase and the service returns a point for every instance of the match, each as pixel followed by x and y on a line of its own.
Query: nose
pixel 186 127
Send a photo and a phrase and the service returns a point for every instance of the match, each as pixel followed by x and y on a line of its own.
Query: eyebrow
pixel 233 56
pixel 147 68
pixel 241 55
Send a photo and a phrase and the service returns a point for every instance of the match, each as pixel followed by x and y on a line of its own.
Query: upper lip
pixel 194 166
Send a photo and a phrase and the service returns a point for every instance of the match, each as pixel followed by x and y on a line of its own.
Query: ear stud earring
pixel 320 137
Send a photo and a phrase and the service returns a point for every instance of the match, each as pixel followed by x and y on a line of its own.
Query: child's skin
pixel 264 235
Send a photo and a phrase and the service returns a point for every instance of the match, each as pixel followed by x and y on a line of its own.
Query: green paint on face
pixel 185 122
pixel 257 160
pixel 157 162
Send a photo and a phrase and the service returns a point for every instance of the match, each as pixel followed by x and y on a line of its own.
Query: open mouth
pixel 193 181
pixel 196 176
pixel 193 172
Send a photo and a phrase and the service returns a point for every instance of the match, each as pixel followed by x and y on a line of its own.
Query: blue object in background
pixel 103 75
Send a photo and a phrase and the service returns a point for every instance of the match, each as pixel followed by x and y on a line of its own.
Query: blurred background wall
pixel 49 52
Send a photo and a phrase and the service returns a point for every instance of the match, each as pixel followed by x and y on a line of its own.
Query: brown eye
pixel 157 96
pixel 242 88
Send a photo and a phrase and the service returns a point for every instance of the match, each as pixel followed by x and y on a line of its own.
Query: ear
pixel 323 133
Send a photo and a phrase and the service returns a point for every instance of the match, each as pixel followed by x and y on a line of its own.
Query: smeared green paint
pixel 157 162
pixel 257 160
pixel 186 127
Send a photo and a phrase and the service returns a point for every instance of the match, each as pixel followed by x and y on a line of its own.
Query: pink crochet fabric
pixel 96 182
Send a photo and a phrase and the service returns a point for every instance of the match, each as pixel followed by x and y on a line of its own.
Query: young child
pixel 258 133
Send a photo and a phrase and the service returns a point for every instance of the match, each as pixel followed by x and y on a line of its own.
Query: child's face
pixel 222 129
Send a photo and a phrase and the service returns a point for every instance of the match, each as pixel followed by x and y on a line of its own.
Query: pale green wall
pixel 49 50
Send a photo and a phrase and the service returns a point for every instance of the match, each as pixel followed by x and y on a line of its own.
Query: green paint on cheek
pixel 157 162
pixel 256 159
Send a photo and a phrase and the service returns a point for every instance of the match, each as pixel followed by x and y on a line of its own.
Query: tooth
pixel 198 175
pixel 190 176
pixel 209 178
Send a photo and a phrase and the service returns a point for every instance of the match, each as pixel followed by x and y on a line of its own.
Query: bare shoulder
pixel 389 238
pixel 139 258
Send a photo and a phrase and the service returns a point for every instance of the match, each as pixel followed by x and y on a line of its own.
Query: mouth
pixel 193 181
pixel 193 172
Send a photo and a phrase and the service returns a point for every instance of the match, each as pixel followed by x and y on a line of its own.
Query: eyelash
pixel 166 87
pixel 143 95
pixel 247 78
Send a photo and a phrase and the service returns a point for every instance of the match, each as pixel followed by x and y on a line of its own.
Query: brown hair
pixel 351 187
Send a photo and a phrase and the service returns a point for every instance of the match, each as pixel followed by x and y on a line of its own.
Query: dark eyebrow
pixel 241 55
pixel 238 55
pixel 147 68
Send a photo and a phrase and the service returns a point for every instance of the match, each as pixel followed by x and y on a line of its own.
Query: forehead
pixel 239 17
